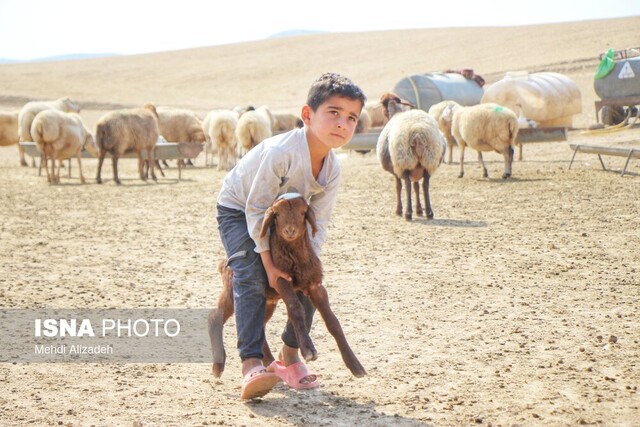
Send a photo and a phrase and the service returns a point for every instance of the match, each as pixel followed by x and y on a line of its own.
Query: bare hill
pixel 278 72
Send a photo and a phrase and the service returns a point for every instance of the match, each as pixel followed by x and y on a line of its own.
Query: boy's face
pixel 333 122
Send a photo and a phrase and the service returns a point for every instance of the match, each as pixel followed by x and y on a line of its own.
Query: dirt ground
pixel 516 305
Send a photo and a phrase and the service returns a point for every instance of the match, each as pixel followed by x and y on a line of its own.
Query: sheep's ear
pixel 311 217
pixel 269 216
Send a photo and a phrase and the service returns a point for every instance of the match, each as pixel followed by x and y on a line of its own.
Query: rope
pixel 615 128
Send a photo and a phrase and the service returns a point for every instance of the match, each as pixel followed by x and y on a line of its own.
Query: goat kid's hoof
pixel 217 369
pixel 506 175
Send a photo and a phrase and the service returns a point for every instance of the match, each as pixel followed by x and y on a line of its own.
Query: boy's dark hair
pixel 333 84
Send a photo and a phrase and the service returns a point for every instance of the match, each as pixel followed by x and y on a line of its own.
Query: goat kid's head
pixel 288 217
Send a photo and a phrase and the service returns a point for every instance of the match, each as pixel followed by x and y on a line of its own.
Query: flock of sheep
pixel 411 145
pixel 59 132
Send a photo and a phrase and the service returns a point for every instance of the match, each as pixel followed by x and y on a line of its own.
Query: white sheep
pixel 59 136
pixel 443 113
pixel 411 147
pixel 284 122
pixel 486 127
pixel 30 109
pixel 254 126
pixel 375 110
pixel 122 131
pixel 220 133
pixel 9 132
pixel 180 125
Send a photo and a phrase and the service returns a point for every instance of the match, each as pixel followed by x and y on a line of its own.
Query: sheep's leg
pixel 59 168
pixel 520 152
pixel 100 161
pixel 461 174
pixel 160 168
pixel 23 160
pixel 398 196
pixel 416 191
pixel 508 162
pixel 141 167
pixel 114 161
pixel 44 158
pixel 485 174
pixel 427 199
pixel 408 215
pixel 295 312
pixel 450 154
pixel 78 156
pixel 320 299
pixel 150 155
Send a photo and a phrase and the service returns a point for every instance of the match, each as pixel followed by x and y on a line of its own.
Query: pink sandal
pixel 257 383
pixel 294 374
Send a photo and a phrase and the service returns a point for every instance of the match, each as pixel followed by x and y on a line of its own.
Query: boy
pixel 300 161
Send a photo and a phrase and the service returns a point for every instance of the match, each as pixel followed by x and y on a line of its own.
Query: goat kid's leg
pixel 485 174
pixel 296 314
pixel 398 196
pixel 216 320
pixel 267 356
pixel 320 299
pixel 427 199
pixel 416 191
pixel 408 215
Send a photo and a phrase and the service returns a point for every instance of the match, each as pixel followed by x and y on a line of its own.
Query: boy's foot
pixel 258 382
pixel 296 375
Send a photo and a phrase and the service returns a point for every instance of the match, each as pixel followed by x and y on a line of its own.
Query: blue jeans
pixel 249 286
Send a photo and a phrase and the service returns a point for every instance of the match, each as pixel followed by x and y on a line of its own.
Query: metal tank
pixel 622 82
pixel 425 90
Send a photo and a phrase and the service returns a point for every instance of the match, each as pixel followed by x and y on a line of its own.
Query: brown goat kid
pixel 291 251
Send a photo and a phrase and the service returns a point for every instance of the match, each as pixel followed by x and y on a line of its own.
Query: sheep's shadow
pixel 508 181
pixel 437 222
pixel 317 407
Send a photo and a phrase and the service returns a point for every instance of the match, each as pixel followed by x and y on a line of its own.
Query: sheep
pixel 28 113
pixel 290 245
pixel 392 104
pixel 486 127
pixel 122 131
pixel 443 113
pixel 9 132
pixel 375 111
pixel 364 122
pixel 220 133
pixel 254 126
pixel 410 147
pixel 180 125
pixel 284 122
pixel 59 136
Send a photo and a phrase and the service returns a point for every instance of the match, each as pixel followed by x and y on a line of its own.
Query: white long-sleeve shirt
pixel 278 165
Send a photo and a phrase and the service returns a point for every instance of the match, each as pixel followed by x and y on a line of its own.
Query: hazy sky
pixel 41 28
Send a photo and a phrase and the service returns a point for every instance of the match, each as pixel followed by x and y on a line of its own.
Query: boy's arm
pixel 273 273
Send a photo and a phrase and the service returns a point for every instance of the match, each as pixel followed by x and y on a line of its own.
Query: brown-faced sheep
pixel 254 126
pixel 410 147
pixel 9 132
pixel 59 136
pixel 122 131
pixel 291 250
pixel 486 127
pixel 220 132
pixel 376 113
pixel 392 104
pixel 30 109
pixel 443 113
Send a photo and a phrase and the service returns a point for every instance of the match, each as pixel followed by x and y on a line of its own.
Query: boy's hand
pixel 273 272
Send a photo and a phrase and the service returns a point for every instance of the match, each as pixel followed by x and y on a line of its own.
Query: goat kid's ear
pixel 269 216
pixel 311 217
